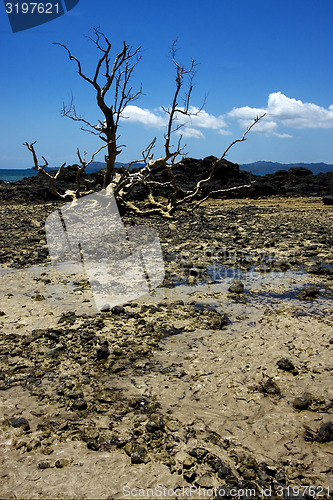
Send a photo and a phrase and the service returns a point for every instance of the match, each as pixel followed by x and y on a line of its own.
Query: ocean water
pixel 11 175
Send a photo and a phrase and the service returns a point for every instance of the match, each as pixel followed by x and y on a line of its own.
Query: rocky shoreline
pixel 197 384
pixel 297 181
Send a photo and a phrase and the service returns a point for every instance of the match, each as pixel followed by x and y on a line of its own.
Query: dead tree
pixel 145 176
pixel 116 79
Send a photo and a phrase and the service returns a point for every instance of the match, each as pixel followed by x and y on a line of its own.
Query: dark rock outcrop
pixel 297 181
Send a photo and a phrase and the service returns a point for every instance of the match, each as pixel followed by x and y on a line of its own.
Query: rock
pixel 189 475
pixel 117 310
pixel 195 272
pixel 60 463
pixel 2 313
pixel 155 424
pixel 287 365
pixel 186 264
pixel 188 463
pixel 328 200
pixel 105 308
pixel 320 269
pixel 117 350
pixel 103 352
pixel 68 318
pixel 44 465
pixel 270 387
pixel 308 293
pixel 198 453
pixel 302 402
pixel 325 433
pixel 219 322
pixel 139 455
pixel 79 404
pixel 213 461
pixel 236 287
pixel 207 480
pixel 21 422
pixel 224 471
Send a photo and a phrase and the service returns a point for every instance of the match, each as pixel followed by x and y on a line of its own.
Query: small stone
pixel 60 463
pixel 2 313
pixel 308 293
pixel 105 308
pixel 38 297
pixel 224 471
pixel 117 310
pixel 195 272
pixel 325 433
pixel 21 422
pixel 155 424
pixel 117 351
pixel 287 365
pixel 207 481
pixel 198 453
pixel 79 404
pixel 139 455
pixel 302 402
pixel 44 465
pixel 189 475
pixel 270 387
pixel 236 287
pixel 178 302
pixel 218 323
pixel 103 352
pixel 188 463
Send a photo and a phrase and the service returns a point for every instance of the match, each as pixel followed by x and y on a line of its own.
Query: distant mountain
pixel 269 167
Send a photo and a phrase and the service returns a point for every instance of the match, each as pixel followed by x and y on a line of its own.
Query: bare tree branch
pixel 117 78
pixel 39 168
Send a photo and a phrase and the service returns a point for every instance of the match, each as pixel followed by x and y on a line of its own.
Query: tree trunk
pixel 110 161
pixel 110 158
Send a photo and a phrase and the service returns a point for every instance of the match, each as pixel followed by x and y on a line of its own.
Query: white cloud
pixel 202 119
pixel 285 111
pixel 297 114
pixel 145 116
pixel 281 111
pixel 224 132
pixel 198 119
pixel 265 127
pixel 246 113
pixel 194 133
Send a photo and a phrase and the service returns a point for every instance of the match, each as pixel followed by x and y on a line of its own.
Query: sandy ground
pixel 217 388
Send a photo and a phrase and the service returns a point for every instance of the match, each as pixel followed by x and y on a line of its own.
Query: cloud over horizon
pixel 281 111
pixel 285 111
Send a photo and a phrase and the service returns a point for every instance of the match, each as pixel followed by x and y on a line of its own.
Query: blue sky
pixel 253 55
